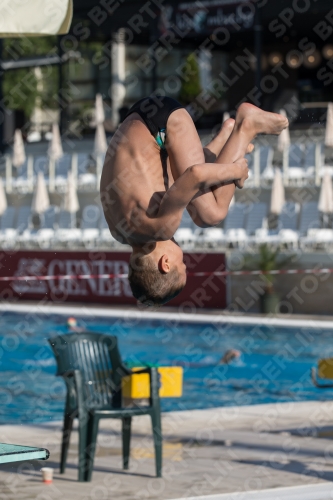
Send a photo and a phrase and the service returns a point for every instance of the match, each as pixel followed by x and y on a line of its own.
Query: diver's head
pixel 157 272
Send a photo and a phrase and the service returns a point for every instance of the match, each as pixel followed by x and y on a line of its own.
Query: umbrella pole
pixel 51 175
pixel 60 86
pixel 285 165
pixel 317 163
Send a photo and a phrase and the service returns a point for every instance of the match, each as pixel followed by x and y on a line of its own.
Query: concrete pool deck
pixel 242 453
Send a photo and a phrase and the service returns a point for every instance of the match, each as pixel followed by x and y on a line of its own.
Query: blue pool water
pixel 274 366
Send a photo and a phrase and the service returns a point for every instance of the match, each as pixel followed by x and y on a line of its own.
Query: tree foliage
pixel 191 86
pixel 20 86
pixel 266 260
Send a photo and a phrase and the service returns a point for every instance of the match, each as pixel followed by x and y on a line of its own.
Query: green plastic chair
pixel 91 366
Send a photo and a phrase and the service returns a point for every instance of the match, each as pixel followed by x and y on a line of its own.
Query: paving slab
pixel 216 454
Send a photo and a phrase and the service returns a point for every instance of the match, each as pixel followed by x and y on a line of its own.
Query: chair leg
pixel 66 435
pixel 127 421
pixel 157 434
pixel 83 431
pixel 91 446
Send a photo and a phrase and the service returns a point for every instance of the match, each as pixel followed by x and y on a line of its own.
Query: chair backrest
pixel 310 155
pixel 266 157
pixel 97 358
pixel 236 217
pixel 296 155
pixel 212 233
pixel 310 217
pixel 8 219
pixel 22 171
pixel 237 234
pixel 288 217
pixel 63 166
pixel 49 217
pixel 90 217
pixel 66 220
pixel 41 164
pixel 23 218
pixel 83 161
pixel 255 218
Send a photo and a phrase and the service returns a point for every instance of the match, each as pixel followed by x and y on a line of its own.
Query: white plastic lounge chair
pixel 266 162
pixel 23 218
pixel 8 233
pixel 288 238
pixel 296 155
pixel 288 218
pixel 264 236
pixel 257 212
pixel 309 218
pixel 210 237
pixel 86 180
pixel 185 236
pixel 296 175
pixel 236 237
pixel 62 167
pixel 90 224
pixel 317 238
pixel 43 236
pixel 20 182
pixel 235 218
pixel 67 231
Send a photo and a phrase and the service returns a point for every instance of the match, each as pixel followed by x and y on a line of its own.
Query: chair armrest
pixel 315 380
pixel 74 385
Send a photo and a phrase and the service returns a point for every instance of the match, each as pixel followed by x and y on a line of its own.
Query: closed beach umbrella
pixel 325 204
pixel 40 200
pixel 34 18
pixel 18 149
pixel 277 195
pixel 3 199
pixel 71 202
pixel 329 126
pixel 100 144
pixel 99 109
pixel 284 137
pixel 55 150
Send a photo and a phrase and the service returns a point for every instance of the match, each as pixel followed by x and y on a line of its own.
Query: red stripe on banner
pixel 198 274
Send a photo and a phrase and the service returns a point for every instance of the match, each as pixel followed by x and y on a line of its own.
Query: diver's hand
pixel 242 163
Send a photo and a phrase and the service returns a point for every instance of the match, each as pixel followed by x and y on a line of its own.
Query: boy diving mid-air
pixel 155 168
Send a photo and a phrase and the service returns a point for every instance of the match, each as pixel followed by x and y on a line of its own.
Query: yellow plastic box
pixel 138 387
pixel 325 368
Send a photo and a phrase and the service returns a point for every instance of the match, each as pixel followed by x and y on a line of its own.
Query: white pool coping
pixel 318 491
pixel 136 314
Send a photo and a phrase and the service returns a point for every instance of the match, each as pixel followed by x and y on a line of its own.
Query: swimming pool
pixel 274 366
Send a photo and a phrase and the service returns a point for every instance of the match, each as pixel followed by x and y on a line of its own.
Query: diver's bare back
pixel 131 179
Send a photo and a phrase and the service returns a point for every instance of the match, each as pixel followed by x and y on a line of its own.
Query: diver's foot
pixel 255 121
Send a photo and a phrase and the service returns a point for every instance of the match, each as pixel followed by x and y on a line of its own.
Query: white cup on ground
pixel 47 474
